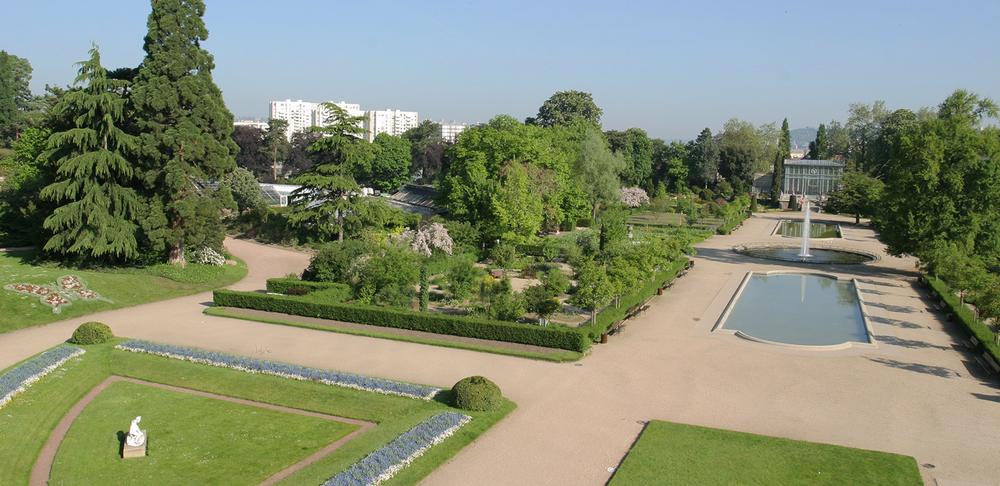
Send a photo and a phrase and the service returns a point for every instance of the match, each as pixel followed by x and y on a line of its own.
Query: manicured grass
pixel 655 218
pixel 558 355
pixel 32 415
pixel 192 439
pixel 669 453
pixel 121 287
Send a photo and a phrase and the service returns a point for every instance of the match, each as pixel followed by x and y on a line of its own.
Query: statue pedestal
pixel 129 452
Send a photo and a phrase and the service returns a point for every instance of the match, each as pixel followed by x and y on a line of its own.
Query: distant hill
pixel 802 136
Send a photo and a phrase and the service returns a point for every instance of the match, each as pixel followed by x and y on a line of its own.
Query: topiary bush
pixel 477 393
pixel 92 333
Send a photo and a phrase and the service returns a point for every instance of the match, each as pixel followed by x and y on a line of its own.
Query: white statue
pixel 136 437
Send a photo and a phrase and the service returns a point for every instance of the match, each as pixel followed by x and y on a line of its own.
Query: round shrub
pixel 92 333
pixel 477 393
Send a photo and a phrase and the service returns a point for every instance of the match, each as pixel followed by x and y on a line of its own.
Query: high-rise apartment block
pixel 450 131
pixel 393 122
pixel 301 115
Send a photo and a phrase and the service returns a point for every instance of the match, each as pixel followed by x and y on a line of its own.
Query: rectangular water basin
pixel 799 309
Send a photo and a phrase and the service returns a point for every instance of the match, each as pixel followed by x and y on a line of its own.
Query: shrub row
pixel 289 285
pixel 612 314
pixel 550 337
pixel 987 342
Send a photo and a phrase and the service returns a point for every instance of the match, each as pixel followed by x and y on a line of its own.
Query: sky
pixel 669 67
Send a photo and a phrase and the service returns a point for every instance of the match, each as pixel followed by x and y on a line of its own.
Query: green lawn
pixel 192 439
pixel 33 414
pixel 118 287
pixel 669 453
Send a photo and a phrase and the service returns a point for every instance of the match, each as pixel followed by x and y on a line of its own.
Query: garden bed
pixel 33 414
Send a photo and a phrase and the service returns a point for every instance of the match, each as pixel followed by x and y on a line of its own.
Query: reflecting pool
pixel 795 308
pixel 818 229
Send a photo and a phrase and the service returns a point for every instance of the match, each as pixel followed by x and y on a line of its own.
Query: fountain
pixel 806 228
pixel 804 253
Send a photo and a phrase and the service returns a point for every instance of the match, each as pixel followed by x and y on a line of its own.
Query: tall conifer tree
pixel 784 152
pixel 95 219
pixel 184 129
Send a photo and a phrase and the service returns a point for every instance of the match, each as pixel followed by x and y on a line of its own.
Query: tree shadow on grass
pixel 938 371
pixel 909 343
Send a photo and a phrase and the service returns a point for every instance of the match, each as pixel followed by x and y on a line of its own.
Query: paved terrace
pixel 915 394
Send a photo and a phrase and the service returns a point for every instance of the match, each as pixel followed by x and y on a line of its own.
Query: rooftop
pixel 814 162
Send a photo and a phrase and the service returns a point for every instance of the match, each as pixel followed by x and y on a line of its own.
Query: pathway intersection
pixel 915 394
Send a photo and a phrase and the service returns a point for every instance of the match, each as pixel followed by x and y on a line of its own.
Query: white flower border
pixel 27 382
pixel 430 395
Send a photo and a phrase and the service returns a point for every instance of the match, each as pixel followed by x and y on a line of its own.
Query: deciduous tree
pixel 567 107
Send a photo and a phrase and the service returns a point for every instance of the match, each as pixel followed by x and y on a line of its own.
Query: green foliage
pixel 96 216
pixel 568 107
pixel 283 285
pixel 427 150
pixel 541 301
pixel 637 150
pixel 25 173
pixel 252 155
pixel 477 393
pixel 942 183
pixel 614 230
pixel 859 194
pixel 463 276
pixel 597 170
pixel 275 145
pixel 504 255
pixel 15 96
pixel 389 167
pixel 703 159
pixel 328 192
pixel 784 152
pixel 335 262
pixel 594 289
pixel 184 128
pixel 245 189
pixel 553 337
pixel 510 178
pixel 425 291
pixel 92 333
pixel 515 206
pixel 374 217
pixel 741 150
pixel 555 281
pixel 504 303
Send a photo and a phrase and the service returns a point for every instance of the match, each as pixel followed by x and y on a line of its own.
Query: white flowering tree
pixel 428 238
pixel 634 197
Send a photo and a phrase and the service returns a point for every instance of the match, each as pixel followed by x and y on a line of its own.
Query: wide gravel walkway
pixel 915 394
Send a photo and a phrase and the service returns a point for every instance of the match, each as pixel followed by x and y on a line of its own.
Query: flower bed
pixel 286 370
pixel 22 376
pixel 385 462
pixel 58 295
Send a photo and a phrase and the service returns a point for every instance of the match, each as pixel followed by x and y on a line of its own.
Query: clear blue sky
pixel 668 67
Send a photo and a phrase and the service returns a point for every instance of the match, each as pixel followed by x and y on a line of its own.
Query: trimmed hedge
pixel 477 393
pixel 987 342
pixel 92 333
pixel 550 337
pixel 289 285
